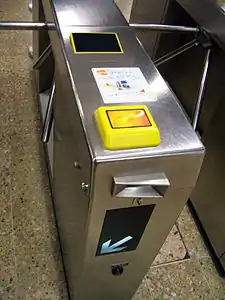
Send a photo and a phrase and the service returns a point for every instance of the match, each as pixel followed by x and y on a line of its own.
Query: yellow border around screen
pixel 75 50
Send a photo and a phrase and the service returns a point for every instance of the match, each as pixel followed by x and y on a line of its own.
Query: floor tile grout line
pixel 182 238
pixel 175 262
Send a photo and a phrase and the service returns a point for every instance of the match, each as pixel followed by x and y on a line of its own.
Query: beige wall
pixel 144 11
pixel 125 6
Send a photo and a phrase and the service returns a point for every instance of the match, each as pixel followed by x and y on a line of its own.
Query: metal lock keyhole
pixel 137 201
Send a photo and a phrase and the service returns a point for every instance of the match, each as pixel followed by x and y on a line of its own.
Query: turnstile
pixel 182 69
pixel 114 208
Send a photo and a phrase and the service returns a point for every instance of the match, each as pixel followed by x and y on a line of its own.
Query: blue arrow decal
pixel 106 248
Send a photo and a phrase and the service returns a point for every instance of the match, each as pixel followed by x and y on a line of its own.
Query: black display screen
pixel 96 43
pixel 123 228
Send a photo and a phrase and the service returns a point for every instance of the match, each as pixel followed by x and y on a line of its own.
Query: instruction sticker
pixel 123 85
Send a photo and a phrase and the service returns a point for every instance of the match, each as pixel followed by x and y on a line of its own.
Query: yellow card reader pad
pixel 127 127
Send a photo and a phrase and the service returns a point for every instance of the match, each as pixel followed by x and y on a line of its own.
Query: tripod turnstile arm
pixel 20 25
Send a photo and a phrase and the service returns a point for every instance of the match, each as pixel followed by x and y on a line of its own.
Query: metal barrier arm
pixel 202 38
pixel 5 25
pixel 205 41
pixel 46 53
pixel 158 62
pixel 48 116
pixel 18 25
pixel 201 92
pixel 165 28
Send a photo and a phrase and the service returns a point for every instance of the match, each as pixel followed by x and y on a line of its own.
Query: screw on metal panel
pixel 30 5
pixel 84 187
pixel 77 165
pixel 31 52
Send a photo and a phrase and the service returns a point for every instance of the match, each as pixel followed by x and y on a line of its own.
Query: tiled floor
pixel 30 261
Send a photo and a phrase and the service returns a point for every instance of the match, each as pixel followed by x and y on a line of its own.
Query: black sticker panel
pixel 96 42
pixel 123 228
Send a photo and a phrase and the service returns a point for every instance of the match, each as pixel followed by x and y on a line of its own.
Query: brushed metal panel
pixel 71 203
pixel 80 213
pixel 97 269
pixel 208 196
pixel 176 133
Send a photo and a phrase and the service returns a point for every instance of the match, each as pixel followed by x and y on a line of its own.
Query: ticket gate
pixel 195 72
pixel 123 157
